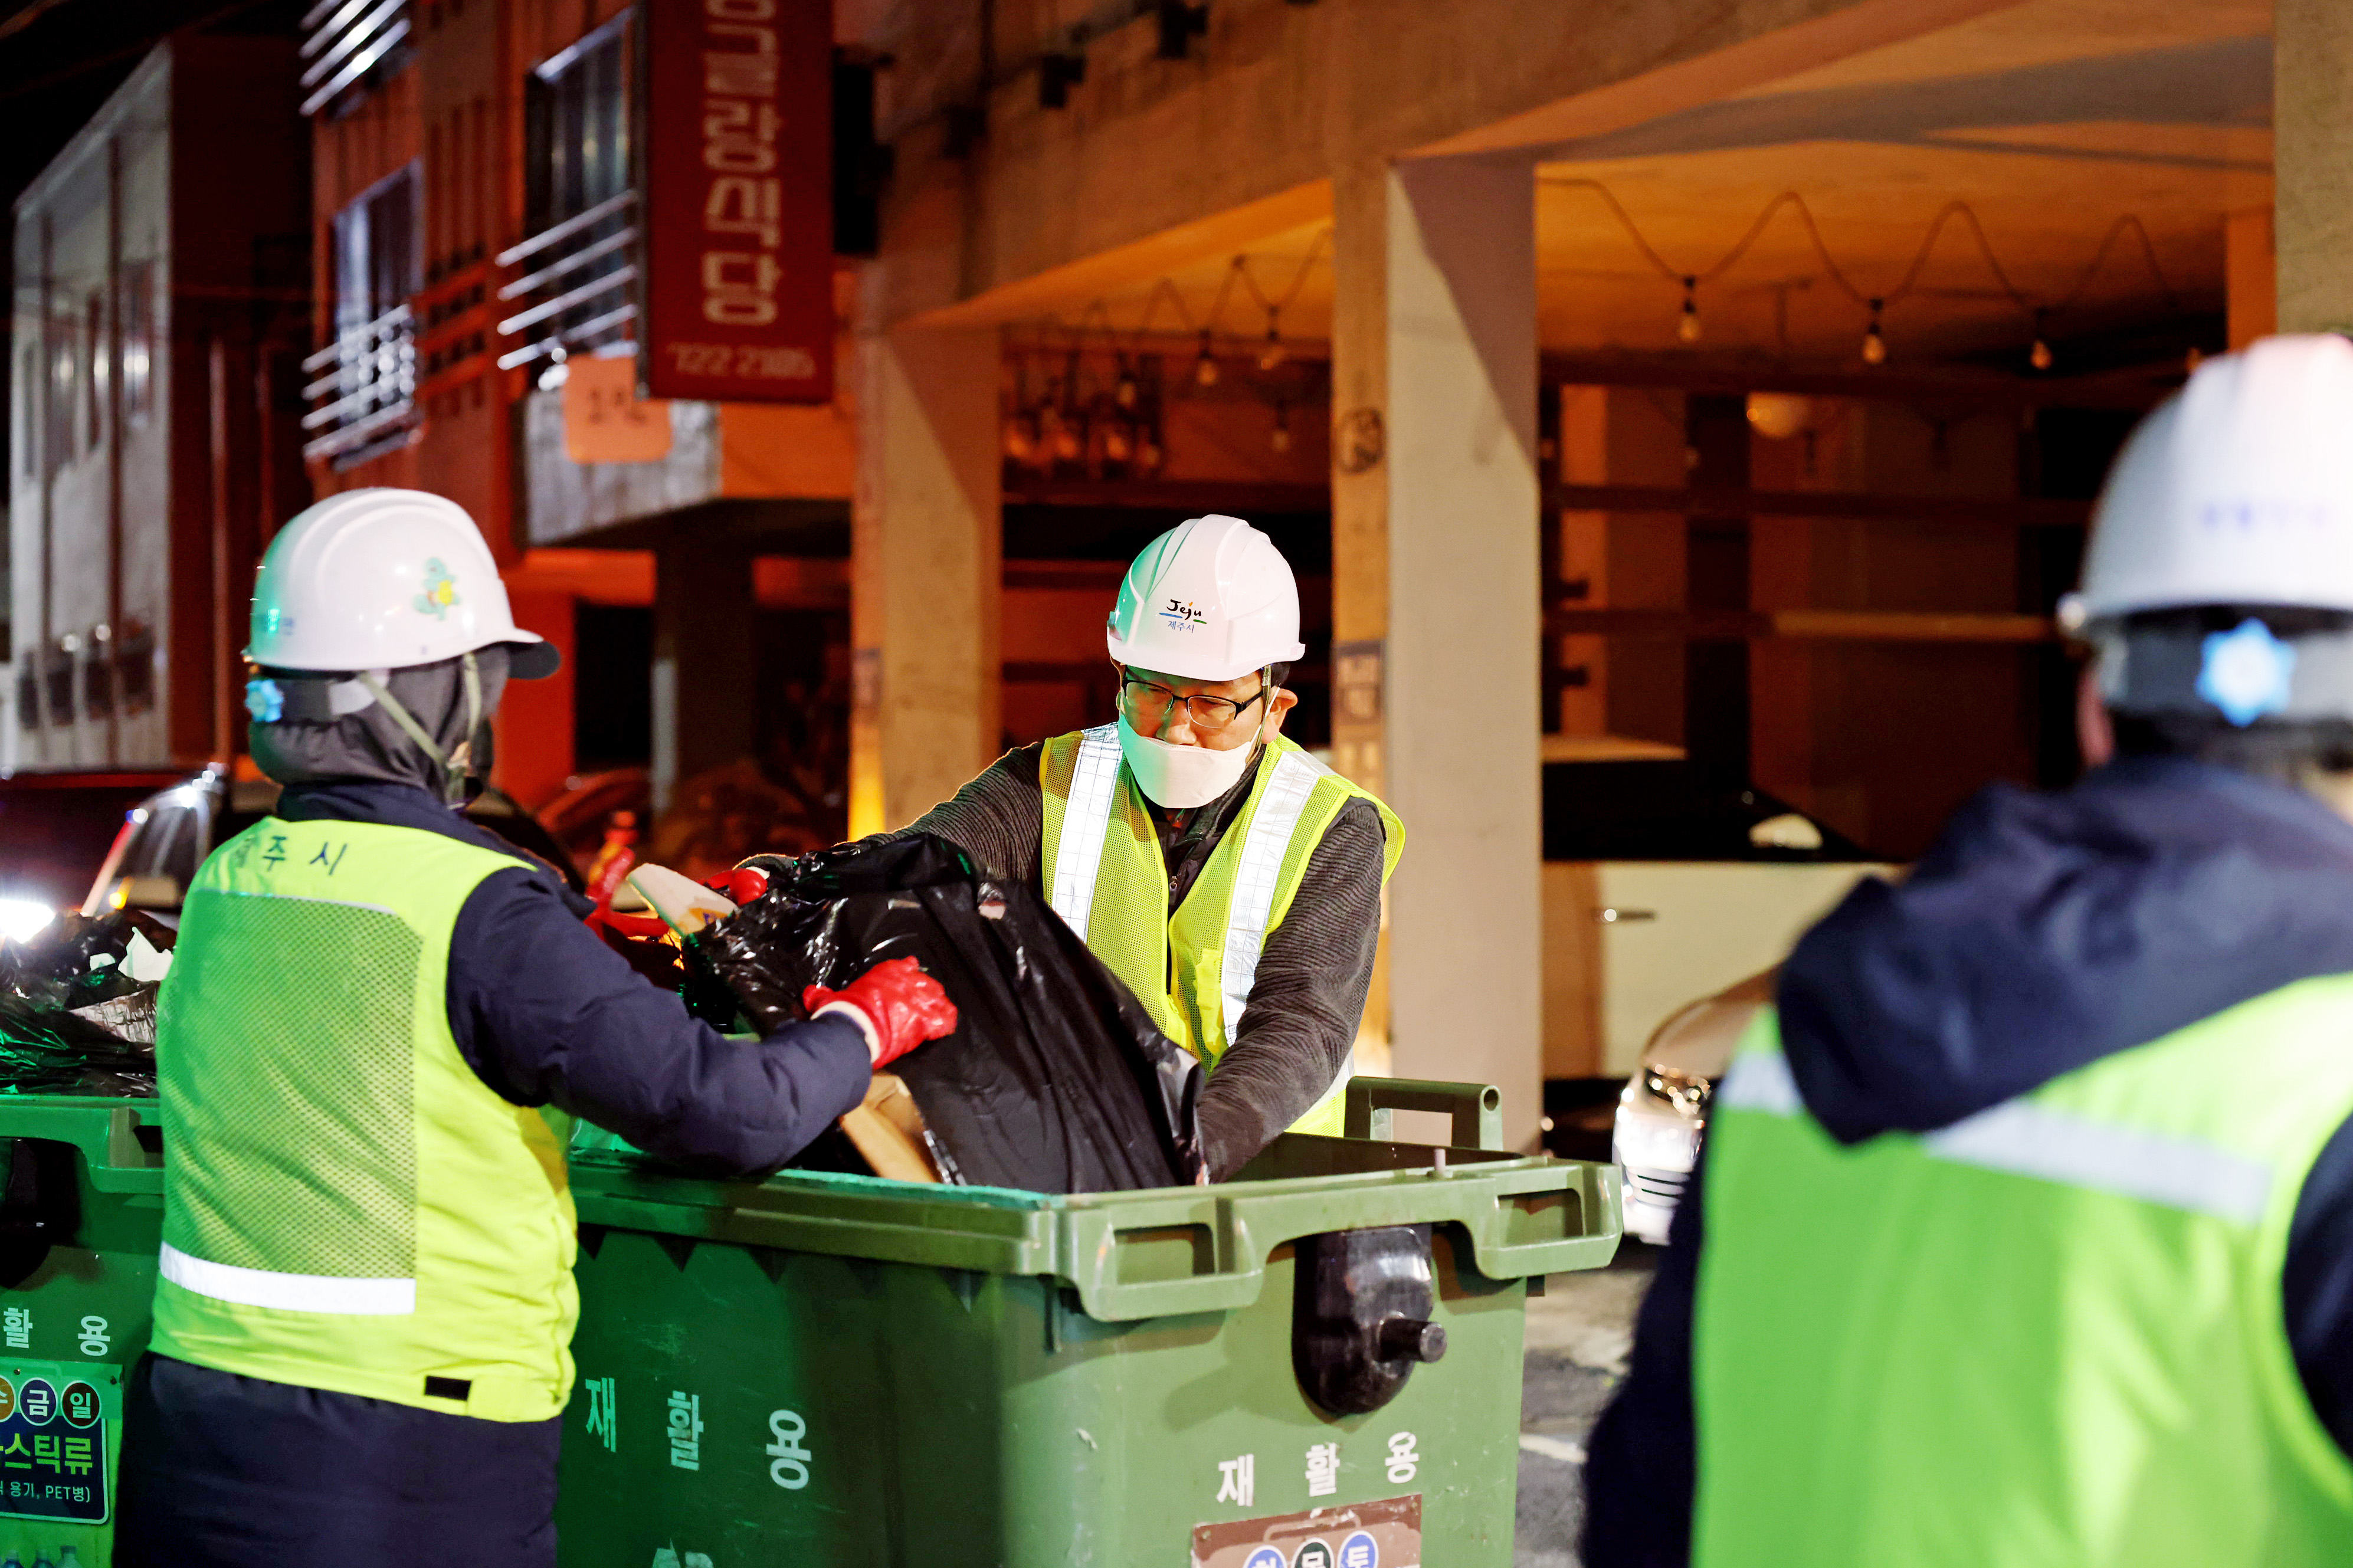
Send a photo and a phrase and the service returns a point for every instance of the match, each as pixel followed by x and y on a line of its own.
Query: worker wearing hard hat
pixel 2025 1232
pixel 1229 877
pixel 365 1293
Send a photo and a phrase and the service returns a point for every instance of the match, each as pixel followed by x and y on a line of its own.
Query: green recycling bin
pixel 85 1213
pixel 1316 1365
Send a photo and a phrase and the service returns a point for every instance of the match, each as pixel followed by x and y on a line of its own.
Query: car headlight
pixel 22 920
pixel 1687 1093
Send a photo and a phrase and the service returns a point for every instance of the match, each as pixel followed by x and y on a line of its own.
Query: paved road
pixel 1578 1333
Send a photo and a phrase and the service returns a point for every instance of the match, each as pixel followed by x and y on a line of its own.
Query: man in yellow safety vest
pixel 1232 880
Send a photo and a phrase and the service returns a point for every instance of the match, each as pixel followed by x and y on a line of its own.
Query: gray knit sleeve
pixel 998 818
pixel 1307 999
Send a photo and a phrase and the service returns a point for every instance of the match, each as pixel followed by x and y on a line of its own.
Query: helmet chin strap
pixel 453 765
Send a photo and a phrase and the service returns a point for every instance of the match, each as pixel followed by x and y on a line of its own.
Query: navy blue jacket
pixel 2040 934
pixel 548 1015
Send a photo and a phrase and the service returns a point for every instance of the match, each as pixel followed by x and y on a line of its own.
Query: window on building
pixel 94 372
pixel 63 397
pixel 137 313
pixel 366 378
pixel 25 396
pixel 573 286
pixel 578 109
pixel 379 257
pixel 349 50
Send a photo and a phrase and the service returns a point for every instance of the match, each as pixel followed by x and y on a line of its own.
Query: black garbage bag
pixel 1055 1080
pixel 71 1021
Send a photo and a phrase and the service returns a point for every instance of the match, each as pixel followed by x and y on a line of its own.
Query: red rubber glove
pixel 742 885
pixel 902 1005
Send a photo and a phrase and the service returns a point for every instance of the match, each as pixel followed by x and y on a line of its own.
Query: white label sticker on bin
pixel 1382 1534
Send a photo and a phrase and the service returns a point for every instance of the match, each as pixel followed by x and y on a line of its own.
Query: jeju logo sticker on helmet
pixel 1182 616
pixel 440 594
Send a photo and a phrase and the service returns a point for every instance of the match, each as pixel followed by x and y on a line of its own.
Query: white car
pixel 1663 1113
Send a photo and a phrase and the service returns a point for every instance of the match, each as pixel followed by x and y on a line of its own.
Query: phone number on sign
pixel 752 363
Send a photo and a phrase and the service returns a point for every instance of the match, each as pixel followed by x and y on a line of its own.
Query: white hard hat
pixel 2239 491
pixel 1211 599
pixel 384 579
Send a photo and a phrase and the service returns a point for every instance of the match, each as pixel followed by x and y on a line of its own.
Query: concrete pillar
pixel 1461 749
pixel 1360 520
pixel 706 709
pixel 926 572
pixel 2312 161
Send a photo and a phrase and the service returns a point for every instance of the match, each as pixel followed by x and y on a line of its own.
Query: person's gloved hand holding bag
pixel 898 1006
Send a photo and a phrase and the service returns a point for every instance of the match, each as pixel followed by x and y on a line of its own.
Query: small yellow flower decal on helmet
pixel 441 591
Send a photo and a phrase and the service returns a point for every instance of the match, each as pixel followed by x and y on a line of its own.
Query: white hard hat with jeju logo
pixel 384 579
pixel 1211 599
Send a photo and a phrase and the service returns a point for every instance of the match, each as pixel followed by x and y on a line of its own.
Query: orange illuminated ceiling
pixel 2053 121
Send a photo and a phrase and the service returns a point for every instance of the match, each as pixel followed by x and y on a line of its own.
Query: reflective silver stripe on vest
pixel 2023 1139
pixel 289 1292
pixel 1086 815
pixel 1279 809
pixel 1759 1081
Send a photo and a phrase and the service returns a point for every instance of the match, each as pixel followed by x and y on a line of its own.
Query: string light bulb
pixel 2038 356
pixel 1688 328
pixel 1020 439
pixel 1126 392
pixel 1147 453
pixel 1273 353
pixel 1118 445
pixel 1205 369
pixel 1281 439
pixel 1874 345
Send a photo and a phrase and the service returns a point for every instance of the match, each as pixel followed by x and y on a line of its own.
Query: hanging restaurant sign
pixel 737 200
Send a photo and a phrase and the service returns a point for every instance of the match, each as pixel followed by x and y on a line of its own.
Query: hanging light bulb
pixel 1281 439
pixel 1273 353
pixel 1875 346
pixel 1118 446
pixel 1126 392
pixel 1205 369
pixel 1147 453
pixel 1688 328
pixel 1069 441
pixel 2038 356
pixel 1020 439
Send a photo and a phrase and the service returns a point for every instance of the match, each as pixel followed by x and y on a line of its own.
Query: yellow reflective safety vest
pixel 1192 969
pixel 2047 1336
pixel 346 1204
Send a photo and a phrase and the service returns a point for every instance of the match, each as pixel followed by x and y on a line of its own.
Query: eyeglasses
pixel 1147 706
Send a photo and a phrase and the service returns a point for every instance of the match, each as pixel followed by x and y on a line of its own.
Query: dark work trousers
pixel 223 1471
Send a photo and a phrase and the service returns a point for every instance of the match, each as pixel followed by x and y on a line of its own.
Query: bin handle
pixel 1244 1227
pixel 108 1141
pixel 1477 1107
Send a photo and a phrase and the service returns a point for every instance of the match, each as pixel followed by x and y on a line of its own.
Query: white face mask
pixel 1181 777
